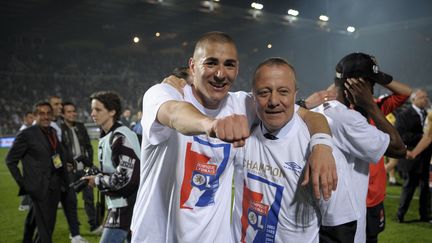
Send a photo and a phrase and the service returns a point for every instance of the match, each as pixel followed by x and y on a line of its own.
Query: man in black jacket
pixel 43 174
pixel 415 172
pixel 68 198
pixel 77 144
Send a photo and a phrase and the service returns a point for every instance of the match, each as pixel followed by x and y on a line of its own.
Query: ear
pixel 237 71
pixel 192 65
pixel 112 113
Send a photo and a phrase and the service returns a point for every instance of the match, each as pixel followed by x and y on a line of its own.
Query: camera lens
pixel 79 185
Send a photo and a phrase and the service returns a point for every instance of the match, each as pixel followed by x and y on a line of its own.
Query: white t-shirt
pixel 361 143
pixel 270 203
pixel 186 181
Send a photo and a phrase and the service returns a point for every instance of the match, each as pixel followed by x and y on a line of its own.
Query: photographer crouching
pixel 119 152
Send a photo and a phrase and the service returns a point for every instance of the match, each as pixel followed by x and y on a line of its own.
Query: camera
pixel 80 184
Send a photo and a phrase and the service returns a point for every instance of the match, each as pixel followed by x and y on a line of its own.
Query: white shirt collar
pixel 417 109
pixel 419 112
pixel 281 132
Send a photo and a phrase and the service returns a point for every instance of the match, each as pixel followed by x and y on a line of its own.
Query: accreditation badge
pixel 57 161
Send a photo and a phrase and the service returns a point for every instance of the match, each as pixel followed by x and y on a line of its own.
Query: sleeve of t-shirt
pixel 390 103
pixel 158 94
pixel 360 139
pixel 247 106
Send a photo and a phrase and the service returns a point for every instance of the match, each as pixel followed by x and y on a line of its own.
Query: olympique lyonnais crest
pixel 260 213
pixel 202 172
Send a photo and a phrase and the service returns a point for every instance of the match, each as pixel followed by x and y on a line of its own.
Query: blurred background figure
pixel 184 73
pixel 56 104
pixel 76 142
pixel 136 125
pixel 68 197
pixel 410 124
pixel 28 120
pixel 126 117
pixel 425 140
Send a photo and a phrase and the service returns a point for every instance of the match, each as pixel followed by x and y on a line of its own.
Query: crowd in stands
pixel 28 75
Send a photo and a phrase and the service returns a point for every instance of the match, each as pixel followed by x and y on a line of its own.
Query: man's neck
pixel 69 124
pixel 44 128
pixel 417 108
pixel 107 126
pixel 203 101
pixel 341 96
pixel 55 119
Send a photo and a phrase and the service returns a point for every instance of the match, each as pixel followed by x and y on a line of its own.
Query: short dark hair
pixel 39 104
pixel 181 72
pixel 213 36
pixel 67 103
pixel 53 97
pixel 273 61
pixel 28 113
pixel 111 100
pixel 339 82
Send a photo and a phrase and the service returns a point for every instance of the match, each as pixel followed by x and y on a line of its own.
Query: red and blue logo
pixel 258 218
pixel 201 178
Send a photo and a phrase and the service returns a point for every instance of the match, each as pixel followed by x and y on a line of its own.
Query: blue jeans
pixel 112 235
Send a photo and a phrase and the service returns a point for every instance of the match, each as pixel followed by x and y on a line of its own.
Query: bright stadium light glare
pixel 351 29
pixel 269 46
pixel 157 34
pixel 293 12
pixel 136 39
pixel 215 0
pixel 257 6
pixel 324 18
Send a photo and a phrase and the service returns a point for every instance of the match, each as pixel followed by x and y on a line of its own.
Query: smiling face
pixel 43 116
pixel 275 92
pixel 69 114
pixel 214 67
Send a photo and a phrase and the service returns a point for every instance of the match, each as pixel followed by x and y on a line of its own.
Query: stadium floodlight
pixel 269 46
pixel 323 18
pixel 257 6
pixel 211 5
pixel 293 12
pixel 351 29
pixel 136 39
pixel 157 34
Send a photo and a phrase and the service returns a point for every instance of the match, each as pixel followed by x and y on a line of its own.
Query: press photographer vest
pixel 107 166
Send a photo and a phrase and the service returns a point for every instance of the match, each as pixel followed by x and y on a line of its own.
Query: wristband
pixel 320 138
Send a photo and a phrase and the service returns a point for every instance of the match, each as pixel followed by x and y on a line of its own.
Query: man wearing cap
pixel 375 221
pixel 361 142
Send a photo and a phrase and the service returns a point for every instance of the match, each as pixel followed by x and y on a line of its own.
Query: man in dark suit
pixel 415 172
pixel 43 172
